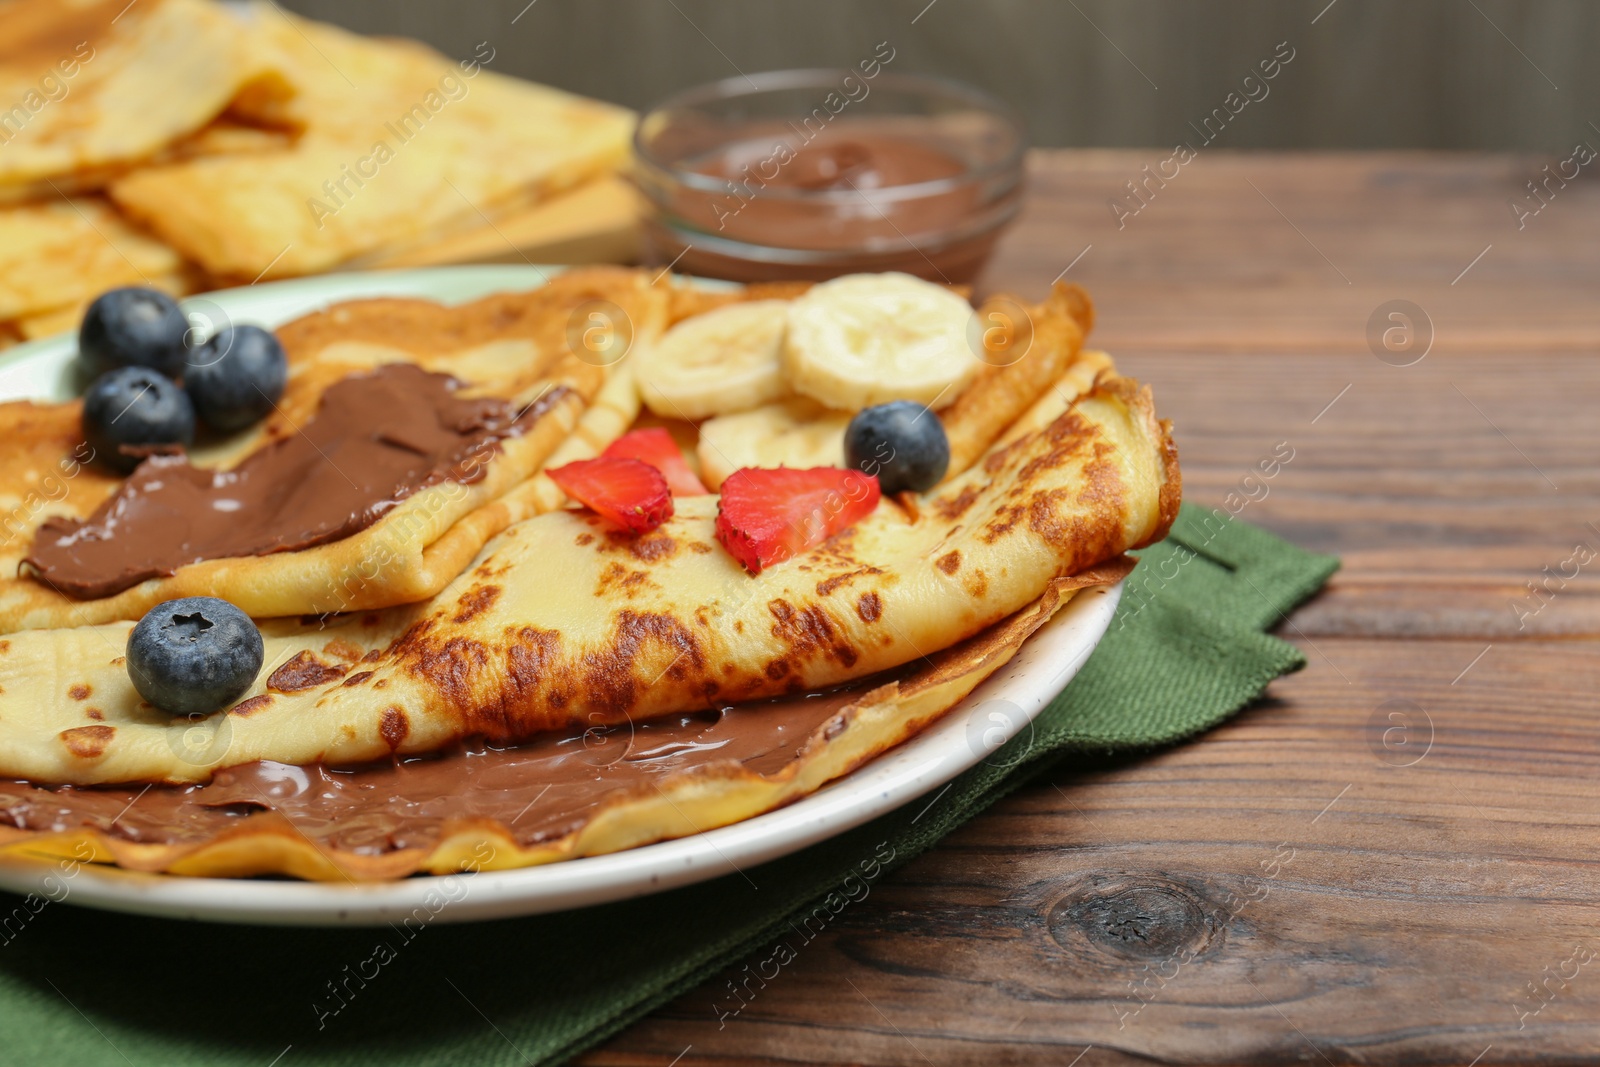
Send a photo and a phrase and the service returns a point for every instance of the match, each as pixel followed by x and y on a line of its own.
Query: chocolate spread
pixel 540 790
pixel 855 197
pixel 855 160
pixel 375 439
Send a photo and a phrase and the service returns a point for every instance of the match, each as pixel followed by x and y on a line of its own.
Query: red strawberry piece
pixel 632 494
pixel 766 515
pixel 656 447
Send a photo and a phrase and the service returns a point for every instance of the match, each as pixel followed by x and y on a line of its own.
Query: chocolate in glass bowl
pixel 810 174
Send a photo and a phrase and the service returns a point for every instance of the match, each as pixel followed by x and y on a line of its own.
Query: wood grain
pixel 1394 858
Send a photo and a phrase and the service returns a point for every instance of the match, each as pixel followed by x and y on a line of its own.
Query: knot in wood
pixel 1133 918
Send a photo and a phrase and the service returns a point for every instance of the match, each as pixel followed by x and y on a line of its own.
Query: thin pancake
pixel 89 87
pixel 796 431
pixel 1038 344
pixel 374 834
pixel 60 254
pixel 513 346
pixel 562 621
pixel 67 319
pixel 423 147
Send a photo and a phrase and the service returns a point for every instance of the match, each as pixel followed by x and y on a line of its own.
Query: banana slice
pixel 798 432
pixel 719 362
pixel 865 339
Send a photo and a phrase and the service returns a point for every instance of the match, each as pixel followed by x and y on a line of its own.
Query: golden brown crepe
pixel 62 253
pixel 399 145
pixel 90 87
pixel 797 431
pixel 513 346
pixel 562 620
pixel 710 793
pixel 68 318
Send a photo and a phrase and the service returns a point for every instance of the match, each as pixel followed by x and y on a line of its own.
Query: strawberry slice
pixel 656 447
pixel 632 494
pixel 766 515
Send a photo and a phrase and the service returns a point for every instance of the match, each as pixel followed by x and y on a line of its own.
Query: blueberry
pixel 236 377
pixel 194 655
pixel 135 406
pixel 902 442
pixel 134 327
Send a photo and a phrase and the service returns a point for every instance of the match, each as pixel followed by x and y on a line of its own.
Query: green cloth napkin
pixel 79 986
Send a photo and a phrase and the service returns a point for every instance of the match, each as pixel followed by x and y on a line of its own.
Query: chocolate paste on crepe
pixel 376 439
pixel 514 345
pixel 539 790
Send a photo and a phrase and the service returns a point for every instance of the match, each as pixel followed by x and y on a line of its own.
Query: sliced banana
pixel 798 432
pixel 866 339
pixel 723 361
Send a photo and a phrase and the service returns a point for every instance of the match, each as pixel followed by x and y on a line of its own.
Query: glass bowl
pixel 810 174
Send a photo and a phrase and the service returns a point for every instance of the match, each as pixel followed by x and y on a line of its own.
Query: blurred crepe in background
pixel 399 145
pixel 61 253
pixel 190 145
pixel 88 87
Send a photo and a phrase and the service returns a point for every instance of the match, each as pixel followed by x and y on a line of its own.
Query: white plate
pixel 970 733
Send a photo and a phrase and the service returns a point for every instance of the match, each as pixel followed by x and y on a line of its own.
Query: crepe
pixel 399 145
pixel 1045 340
pixel 705 794
pixel 514 346
pixel 797 431
pixel 564 621
pixel 89 87
pixel 58 255
pixel 69 317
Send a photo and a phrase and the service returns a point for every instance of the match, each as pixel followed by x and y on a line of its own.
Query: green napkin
pixel 86 987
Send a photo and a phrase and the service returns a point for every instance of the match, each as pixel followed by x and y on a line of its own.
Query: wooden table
pixel 1415 818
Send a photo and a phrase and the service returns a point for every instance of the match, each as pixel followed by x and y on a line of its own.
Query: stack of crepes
pixel 188 145
pixel 482 677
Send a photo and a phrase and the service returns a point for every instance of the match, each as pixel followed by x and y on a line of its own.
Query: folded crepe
pixel 797 431
pixel 562 621
pixel 512 347
pixel 398 145
pixel 91 87
pixel 564 797
pixel 58 255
